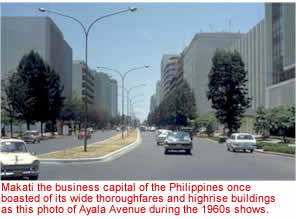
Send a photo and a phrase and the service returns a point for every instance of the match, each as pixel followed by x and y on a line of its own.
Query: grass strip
pixel 281 148
pixel 96 149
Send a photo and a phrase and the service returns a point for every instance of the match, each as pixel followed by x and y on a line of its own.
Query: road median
pixel 95 151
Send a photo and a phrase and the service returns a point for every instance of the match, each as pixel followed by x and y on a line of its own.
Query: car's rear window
pixel 245 137
pixel 13 147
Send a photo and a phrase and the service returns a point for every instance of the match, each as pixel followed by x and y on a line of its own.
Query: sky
pixel 130 40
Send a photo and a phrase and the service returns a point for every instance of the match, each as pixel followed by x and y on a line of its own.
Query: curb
pixel 274 153
pixel 102 158
pixel 262 151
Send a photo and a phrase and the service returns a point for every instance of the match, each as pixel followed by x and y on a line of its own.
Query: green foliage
pixel 11 95
pixel 207 121
pixel 262 124
pixel 42 92
pixel 227 88
pixel 175 110
pixel 282 118
pixel 281 148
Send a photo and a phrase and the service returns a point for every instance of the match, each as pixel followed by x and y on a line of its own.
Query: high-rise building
pixel 198 61
pixel 168 74
pixel 18 38
pixel 152 103
pixel 106 93
pixel 114 97
pixel 83 82
pixel 253 52
pixel 280 44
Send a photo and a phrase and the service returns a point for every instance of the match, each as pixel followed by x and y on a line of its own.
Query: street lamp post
pixel 86 32
pixel 123 75
pixel 128 100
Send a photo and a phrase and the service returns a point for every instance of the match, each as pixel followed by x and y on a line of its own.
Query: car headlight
pixel 35 165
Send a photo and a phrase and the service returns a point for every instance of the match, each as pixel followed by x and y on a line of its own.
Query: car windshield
pixel 181 136
pixel 32 133
pixel 245 137
pixel 13 147
pixel 184 136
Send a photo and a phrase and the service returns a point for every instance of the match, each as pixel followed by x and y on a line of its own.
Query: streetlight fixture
pixel 128 100
pixel 123 75
pixel 86 32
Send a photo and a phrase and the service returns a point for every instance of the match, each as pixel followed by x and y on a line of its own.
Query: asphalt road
pixel 208 161
pixel 64 142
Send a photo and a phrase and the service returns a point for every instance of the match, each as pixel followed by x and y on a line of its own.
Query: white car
pixel 241 141
pixel 17 161
pixel 161 136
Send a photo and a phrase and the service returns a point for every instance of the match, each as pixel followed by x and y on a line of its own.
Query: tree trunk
pixel 28 125
pixel 11 128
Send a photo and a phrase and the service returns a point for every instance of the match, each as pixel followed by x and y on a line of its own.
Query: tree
pixel 11 95
pixel 207 121
pixel 176 110
pixel 55 98
pixel 30 71
pixel 262 124
pixel 282 118
pixel 227 89
pixel 43 92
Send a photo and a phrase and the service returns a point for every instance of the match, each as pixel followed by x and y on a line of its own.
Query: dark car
pixel 178 141
pixel 30 138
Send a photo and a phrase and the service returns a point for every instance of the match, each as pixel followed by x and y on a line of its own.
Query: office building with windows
pixel 18 38
pixel 280 44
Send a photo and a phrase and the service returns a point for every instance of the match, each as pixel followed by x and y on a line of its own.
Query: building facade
pixel 106 93
pixel 83 82
pixel 280 44
pixel 168 75
pixel 253 52
pixel 18 37
pixel 198 61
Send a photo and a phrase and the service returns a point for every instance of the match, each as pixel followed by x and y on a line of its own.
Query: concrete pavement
pixel 209 161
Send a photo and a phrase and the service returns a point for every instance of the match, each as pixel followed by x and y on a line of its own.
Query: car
pixel 31 136
pixel 161 135
pixel 91 130
pixel 30 139
pixel 16 161
pixel 178 141
pixel 81 134
pixel 241 142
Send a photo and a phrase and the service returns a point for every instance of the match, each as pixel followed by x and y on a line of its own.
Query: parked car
pixel 81 134
pixel 161 135
pixel 17 161
pixel 178 141
pixel 241 141
pixel 31 136
pixel 91 130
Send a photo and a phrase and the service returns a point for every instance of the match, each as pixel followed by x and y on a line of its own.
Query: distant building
pixel 280 44
pixel 157 94
pixel 198 61
pixel 152 103
pixel 114 97
pixel 106 93
pixel 20 35
pixel 168 74
pixel 83 82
